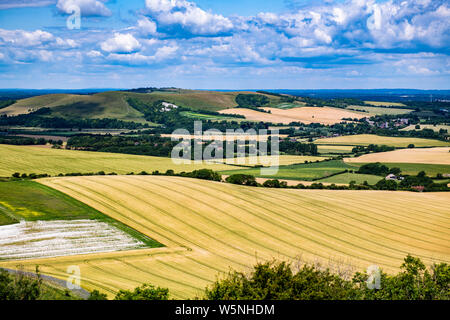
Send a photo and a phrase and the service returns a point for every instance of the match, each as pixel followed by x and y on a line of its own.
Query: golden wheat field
pixel 426 155
pixel 208 227
pixel 29 159
pixel 324 115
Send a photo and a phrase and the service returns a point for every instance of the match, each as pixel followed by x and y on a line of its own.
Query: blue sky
pixel 233 44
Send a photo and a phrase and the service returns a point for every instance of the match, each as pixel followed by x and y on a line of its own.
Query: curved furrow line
pixel 365 216
pixel 364 239
pixel 369 200
pixel 183 222
pixel 326 208
pixel 133 266
pixel 364 250
pixel 107 205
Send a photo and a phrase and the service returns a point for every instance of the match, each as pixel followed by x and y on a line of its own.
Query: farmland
pixel 372 111
pixel 346 178
pixel 54 161
pixel 426 155
pixel 324 115
pixel 427 126
pixel 414 168
pixel 385 104
pixel 283 160
pixel 366 139
pixel 307 171
pixel 209 227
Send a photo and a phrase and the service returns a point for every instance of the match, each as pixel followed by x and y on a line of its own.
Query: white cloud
pixel 37 38
pixel 146 26
pixel 87 7
pixel 187 15
pixel 8 4
pixel 121 43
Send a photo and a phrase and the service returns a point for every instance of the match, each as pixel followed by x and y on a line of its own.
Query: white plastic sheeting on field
pixel 38 239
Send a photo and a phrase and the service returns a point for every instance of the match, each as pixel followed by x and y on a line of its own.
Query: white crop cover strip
pixel 43 239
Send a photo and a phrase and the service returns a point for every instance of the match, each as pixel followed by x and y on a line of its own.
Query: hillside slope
pixel 209 227
pixel 113 104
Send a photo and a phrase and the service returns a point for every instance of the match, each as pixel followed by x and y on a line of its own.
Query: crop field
pixel 324 115
pixel 327 149
pixel 427 126
pixel 385 104
pixel 414 168
pixel 201 116
pixel 307 171
pixel 426 155
pixel 54 161
pixel 375 111
pixel 209 227
pixel 346 178
pixel 366 139
pixel 283 160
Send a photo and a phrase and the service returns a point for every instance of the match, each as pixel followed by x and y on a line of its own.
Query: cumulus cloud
pixel 137 58
pixel 121 43
pixel 188 16
pixel 146 27
pixel 87 7
pixel 37 38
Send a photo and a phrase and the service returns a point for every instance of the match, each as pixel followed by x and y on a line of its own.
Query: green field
pixel 307 172
pixel 54 161
pixel 346 178
pixel 33 201
pixel 375 111
pixel 330 149
pixel 366 139
pixel 201 116
pixel 414 168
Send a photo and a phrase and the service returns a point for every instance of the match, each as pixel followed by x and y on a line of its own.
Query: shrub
pixel 242 179
pixel 97 295
pixel 144 292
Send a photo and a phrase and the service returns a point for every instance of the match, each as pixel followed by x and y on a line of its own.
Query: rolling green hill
pixel 113 104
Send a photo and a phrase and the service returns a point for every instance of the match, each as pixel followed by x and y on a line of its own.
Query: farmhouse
pixel 393 177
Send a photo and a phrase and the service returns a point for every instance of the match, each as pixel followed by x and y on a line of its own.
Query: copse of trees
pixel 21 141
pixel 377 169
pixel 6 103
pixel 242 179
pixel 144 292
pixel 251 101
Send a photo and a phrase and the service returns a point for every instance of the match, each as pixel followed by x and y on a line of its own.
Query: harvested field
pixel 425 155
pixel 366 139
pixel 324 115
pixel 209 227
pixel 268 160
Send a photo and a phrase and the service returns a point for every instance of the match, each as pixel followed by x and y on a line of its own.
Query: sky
pixel 230 44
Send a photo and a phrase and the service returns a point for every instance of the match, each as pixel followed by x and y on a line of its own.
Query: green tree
pixel 144 292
